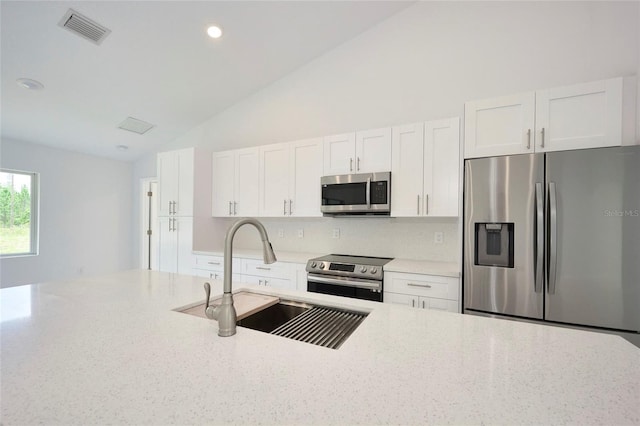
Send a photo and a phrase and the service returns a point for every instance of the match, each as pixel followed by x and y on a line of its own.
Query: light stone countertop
pixel 283 256
pixel 111 350
pixel 449 269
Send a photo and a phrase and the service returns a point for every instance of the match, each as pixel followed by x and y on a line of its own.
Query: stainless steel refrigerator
pixel 555 237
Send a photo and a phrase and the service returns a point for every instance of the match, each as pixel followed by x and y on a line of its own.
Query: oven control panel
pixel 344 269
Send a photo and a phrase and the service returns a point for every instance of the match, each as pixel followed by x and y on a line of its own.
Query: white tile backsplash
pixel 407 238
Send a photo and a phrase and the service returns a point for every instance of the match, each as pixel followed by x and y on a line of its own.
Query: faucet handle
pixel 208 310
pixel 207 292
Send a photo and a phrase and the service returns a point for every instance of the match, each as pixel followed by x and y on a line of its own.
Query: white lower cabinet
pixel 279 274
pixel 176 237
pixel 212 267
pixel 422 291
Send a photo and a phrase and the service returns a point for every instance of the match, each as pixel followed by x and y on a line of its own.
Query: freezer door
pixel 593 234
pixel 501 220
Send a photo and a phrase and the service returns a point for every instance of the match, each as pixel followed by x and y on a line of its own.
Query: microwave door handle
pixel 368 193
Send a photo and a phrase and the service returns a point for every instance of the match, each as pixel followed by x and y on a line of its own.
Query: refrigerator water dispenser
pixel 494 244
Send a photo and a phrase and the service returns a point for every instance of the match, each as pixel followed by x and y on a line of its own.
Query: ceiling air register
pixel 84 27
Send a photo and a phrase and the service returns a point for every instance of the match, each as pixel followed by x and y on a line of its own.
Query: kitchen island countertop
pixel 111 349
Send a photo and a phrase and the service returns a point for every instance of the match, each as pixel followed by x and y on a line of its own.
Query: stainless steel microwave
pixel 356 194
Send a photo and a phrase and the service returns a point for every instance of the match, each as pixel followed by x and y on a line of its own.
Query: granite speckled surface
pixel 112 350
pixel 449 269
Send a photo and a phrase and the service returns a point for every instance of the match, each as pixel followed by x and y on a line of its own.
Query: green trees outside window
pixel 17 221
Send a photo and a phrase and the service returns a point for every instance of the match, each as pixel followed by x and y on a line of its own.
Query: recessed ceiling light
pixel 29 84
pixel 214 32
pixel 122 147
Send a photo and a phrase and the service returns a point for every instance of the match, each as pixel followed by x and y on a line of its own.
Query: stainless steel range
pixel 359 277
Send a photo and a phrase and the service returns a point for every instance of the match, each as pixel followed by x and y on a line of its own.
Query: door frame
pixel 148 221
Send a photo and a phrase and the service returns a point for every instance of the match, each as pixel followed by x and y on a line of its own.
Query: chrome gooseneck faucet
pixel 225 313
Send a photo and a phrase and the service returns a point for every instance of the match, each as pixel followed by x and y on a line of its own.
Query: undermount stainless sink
pixel 272 317
pixel 319 325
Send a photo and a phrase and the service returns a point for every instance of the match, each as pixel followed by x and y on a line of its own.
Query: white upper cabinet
pixel 339 154
pixel 361 152
pixel 182 174
pixel 274 180
pixel 499 126
pixel 441 167
pixel 290 178
pixel 407 170
pixel 175 182
pixel 223 181
pixel 426 167
pixel 373 150
pixel 580 116
pixel 305 171
pixel 235 183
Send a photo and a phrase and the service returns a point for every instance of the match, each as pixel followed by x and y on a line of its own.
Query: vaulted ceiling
pixel 157 64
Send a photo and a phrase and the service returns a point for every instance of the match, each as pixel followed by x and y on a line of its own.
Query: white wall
pixel 422 64
pixel 85 214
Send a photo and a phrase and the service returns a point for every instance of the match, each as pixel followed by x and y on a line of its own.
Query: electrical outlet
pixel 280 233
pixel 300 233
pixel 438 237
pixel 336 233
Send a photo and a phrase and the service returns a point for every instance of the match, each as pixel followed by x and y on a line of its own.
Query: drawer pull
pixel 263 268
pixel 213 263
pixel 419 285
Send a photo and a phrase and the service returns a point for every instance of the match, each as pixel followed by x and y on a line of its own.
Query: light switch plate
pixel 336 233
pixel 280 233
pixel 300 233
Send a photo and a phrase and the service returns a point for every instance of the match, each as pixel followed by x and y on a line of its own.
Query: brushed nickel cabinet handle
pixel 542 141
pixel 529 139
pixel 418 285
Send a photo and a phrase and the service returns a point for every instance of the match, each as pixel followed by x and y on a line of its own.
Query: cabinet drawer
pixel 206 262
pixel 422 285
pixel 273 270
pixel 213 263
pixel 421 302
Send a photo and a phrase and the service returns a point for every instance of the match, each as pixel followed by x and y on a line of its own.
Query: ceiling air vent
pixel 84 27
pixel 134 125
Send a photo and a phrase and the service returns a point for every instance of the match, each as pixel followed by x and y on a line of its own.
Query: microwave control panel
pixel 379 192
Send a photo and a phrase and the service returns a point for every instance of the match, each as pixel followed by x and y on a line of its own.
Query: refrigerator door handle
pixel 539 256
pixel 553 238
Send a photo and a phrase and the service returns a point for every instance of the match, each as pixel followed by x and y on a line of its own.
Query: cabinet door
pixel 167 245
pixel 407 170
pixel 579 116
pixel 274 180
pixel 185 172
pixel 441 167
pixel 339 154
pixel 402 299
pixel 499 126
pixel 183 230
pixel 373 150
pixel 222 186
pixel 305 171
pixel 438 304
pixel 167 182
pixel 246 188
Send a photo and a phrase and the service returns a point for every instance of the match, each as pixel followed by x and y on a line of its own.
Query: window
pixel 18 213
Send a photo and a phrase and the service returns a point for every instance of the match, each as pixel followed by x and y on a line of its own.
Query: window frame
pixel 34 234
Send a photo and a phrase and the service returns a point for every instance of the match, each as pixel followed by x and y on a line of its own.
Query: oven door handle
pixel 351 282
